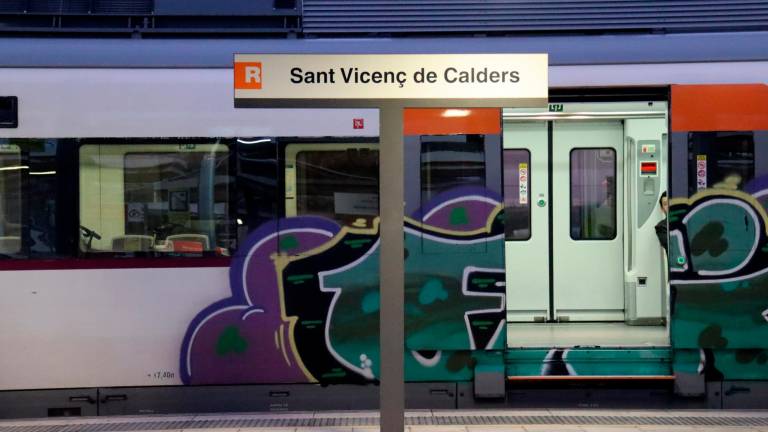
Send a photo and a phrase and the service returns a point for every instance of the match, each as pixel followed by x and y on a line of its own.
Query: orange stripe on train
pixel 733 107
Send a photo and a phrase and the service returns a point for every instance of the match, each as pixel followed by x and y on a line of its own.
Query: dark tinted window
pixel 257 197
pixel 336 181
pixel 451 161
pixel 724 160
pixel 9 115
pixel 35 175
pixel 11 170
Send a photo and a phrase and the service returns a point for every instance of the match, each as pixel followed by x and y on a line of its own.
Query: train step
pixel 589 363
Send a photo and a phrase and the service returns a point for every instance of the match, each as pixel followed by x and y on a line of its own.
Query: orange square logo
pixel 248 76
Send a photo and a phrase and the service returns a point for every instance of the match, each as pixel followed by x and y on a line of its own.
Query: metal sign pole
pixel 391 268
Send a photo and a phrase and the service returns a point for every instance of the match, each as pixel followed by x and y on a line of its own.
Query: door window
pixel 517 195
pixel 593 194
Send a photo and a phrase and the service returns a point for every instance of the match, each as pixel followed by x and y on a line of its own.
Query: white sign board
pixel 391 76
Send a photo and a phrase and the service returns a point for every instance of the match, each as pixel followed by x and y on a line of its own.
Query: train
pixel 162 251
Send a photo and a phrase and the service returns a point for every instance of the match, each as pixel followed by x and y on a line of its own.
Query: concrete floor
pixel 561 416
pixel 566 335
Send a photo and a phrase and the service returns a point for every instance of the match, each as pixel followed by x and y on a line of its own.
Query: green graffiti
pixel 595 361
pixel 675 215
pixel 482 283
pixel 311 323
pixel 431 291
pixel 288 242
pixel 370 303
pixel 458 216
pixel 721 236
pixel 717 322
pixel 299 279
pixel 732 286
pixel 357 243
pixel 335 373
pixel 413 310
pixel 230 341
pixel 435 307
pixel 710 240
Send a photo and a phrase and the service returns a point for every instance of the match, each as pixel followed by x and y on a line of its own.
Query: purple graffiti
pixel 246 338
pixel 460 209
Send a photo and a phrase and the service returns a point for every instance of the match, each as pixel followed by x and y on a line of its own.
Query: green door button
pixel 541 203
pixel 681 260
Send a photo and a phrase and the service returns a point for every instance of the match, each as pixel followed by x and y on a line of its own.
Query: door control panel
pixel 648 179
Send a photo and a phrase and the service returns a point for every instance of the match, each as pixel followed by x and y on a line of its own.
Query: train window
pixel 32 181
pixel 723 160
pixel 256 196
pixel 336 181
pixel 593 194
pixel 451 161
pixel 517 194
pixel 155 198
pixel 11 169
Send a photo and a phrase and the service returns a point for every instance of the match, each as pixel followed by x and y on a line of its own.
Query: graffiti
pixel 556 363
pixel 588 361
pixel 305 299
pixel 718 261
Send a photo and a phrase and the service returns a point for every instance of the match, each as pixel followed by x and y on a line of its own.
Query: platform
pixel 416 421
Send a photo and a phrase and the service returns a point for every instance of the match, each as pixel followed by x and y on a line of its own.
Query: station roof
pixel 219 53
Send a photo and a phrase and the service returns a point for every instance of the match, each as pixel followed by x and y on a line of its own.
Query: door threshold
pixel 586 335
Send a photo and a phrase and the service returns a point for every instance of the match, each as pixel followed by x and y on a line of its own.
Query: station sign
pixel 390 76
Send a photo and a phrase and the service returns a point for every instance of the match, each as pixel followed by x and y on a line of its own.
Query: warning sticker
pixel 522 174
pixel 701 172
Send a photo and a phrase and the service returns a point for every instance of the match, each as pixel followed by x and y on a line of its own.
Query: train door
pixel 575 196
pixel 577 226
pixel 587 252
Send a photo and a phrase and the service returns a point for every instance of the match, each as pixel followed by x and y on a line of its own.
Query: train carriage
pixel 161 251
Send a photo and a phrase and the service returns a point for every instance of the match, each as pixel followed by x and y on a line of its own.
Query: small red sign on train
pixel 648 168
